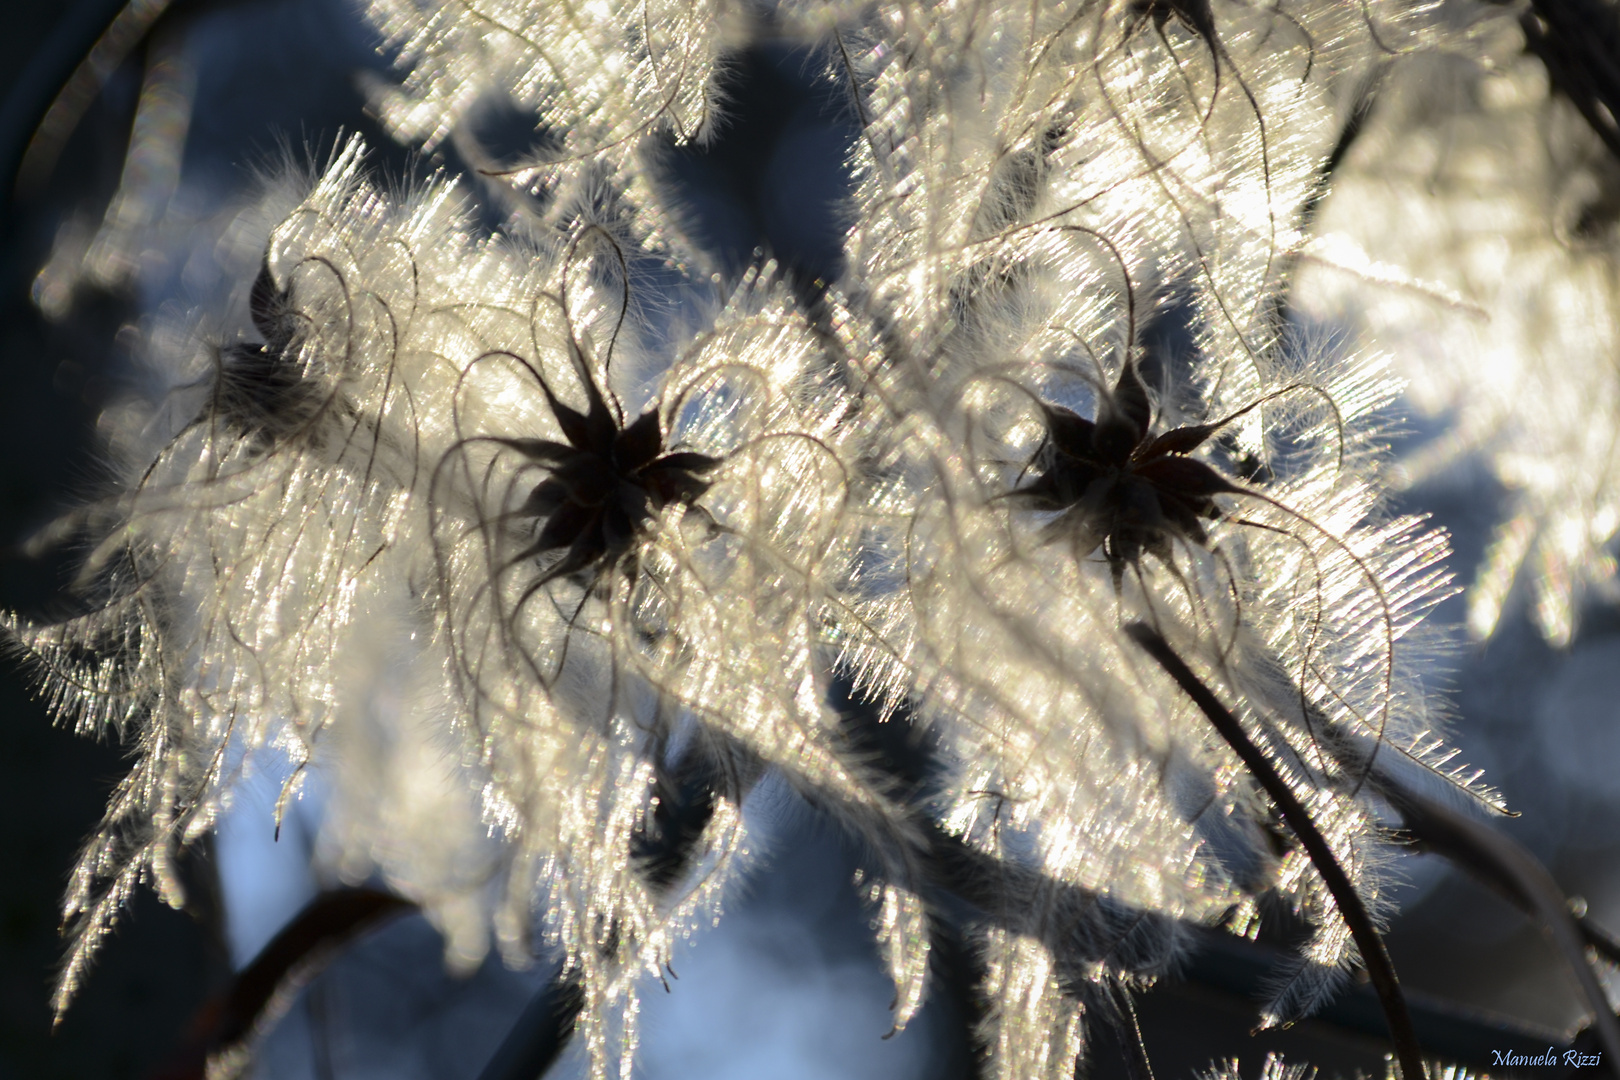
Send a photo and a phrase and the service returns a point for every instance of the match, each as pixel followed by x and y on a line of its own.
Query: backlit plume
pixel 544 572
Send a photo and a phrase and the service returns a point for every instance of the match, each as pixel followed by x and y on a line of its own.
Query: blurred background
pixel 122 217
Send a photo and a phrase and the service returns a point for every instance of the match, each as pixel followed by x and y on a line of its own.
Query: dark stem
pixel 1576 40
pixel 1366 95
pixel 1505 865
pixel 534 1043
pixel 1380 970
pixel 230 1020
pixel 36 86
pixel 1360 109
pixel 1137 1065
pixel 1604 943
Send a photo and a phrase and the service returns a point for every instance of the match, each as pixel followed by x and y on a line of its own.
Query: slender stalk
pixel 127 29
pixel 1504 864
pixel 1576 40
pixel 1380 969
pixel 1133 1048
pixel 1605 943
pixel 229 1021
pixel 535 1042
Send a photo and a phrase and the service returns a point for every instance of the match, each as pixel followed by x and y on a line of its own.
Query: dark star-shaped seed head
pixel 1195 15
pixel 605 484
pixel 1115 487
pixel 261 390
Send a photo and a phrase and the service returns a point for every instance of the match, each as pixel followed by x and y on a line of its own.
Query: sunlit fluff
pixel 1072 137
pixel 1502 206
pixel 598 84
pixel 1032 210
pixel 337 541
pixel 1071 750
pixel 472 522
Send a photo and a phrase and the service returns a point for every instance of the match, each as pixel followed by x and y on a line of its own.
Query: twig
pixel 127 30
pixel 1137 1064
pixel 1576 41
pixel 538 1037
pixel 229 1020
pixel 1602 942
pixel 1380 970
pixel 1504 864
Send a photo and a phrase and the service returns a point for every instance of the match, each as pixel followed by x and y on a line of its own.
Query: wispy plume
pixel 1484 183
pixel 545 578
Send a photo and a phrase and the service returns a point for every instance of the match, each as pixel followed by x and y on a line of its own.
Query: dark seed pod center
pixel 605 486
pixel 261 391
pixel 1116 487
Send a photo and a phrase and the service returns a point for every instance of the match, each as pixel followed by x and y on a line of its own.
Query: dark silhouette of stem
pixel 1605 943
pixel 232 1017
pixel 1577 41
pixel 537 1039
pixel 1380 970
pixel 126 31
pixel 1506 866
pixel 1137 1064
